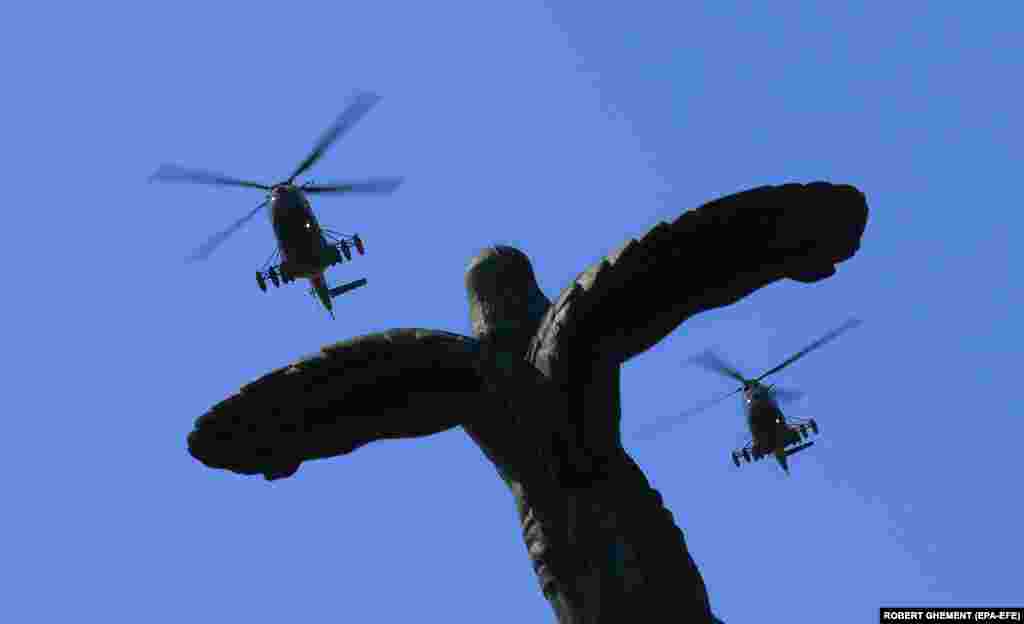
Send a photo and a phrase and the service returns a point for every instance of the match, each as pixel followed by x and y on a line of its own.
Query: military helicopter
pixel 771 433
pixel 305 248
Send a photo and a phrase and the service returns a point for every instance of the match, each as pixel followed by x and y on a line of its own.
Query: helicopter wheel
pixel 736 460
pixel 814 426
pixel 262 283
pixel 359 245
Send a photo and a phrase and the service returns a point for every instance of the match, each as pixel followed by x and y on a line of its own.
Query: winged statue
pixel 536 387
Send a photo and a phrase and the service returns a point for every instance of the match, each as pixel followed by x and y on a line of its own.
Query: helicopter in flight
pixel 771 433
pixel 305 248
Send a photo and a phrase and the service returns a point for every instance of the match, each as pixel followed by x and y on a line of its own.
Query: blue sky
pixel 562 130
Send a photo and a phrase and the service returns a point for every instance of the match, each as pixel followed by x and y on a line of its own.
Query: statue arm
pixel 402 383
pixel 707 258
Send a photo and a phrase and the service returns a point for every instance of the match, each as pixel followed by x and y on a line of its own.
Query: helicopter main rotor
pixel 175 173
pixel 850 324
pixel 357 109
pixel 713 362
pixel 203 251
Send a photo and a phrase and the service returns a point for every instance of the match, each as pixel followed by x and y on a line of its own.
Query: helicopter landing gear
pixel 343 243
pixel 339 247
pixel 746 455
pixel 735 459
pixel 277 275
pixel 814 426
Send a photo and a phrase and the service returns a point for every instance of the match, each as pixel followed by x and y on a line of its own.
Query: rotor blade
pixel 664 424
pixel 360 105
pixel 381 186
pixel 207 248
pixel 174 173
pixel 814 345
pixel 710 360
pixel 784 395
pixel 700 407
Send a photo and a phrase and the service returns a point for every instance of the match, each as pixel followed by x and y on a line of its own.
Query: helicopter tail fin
pixel 344 288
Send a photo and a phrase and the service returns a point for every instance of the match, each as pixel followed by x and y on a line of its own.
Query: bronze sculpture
pixel 538 390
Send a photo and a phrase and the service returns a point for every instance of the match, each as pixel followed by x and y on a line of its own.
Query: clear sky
pixel 563 131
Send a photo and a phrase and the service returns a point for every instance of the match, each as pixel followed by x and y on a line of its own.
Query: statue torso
pixel 603 545
pixel 592 525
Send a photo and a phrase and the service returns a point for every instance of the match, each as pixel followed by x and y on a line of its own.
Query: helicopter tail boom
pixel 781 455
pixel 319 288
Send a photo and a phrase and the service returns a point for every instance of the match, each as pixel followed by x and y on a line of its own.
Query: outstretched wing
pixel 707 258
pixel 395 384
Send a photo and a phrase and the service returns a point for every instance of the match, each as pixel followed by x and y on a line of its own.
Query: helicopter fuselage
pixel 298 233
pixel 763 419
pixel 304 250
pixel 767 424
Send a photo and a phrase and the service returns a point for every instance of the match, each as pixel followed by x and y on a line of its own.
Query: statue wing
pixel 707 258
pixel 395 384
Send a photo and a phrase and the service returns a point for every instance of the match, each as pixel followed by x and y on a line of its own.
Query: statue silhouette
pixel 537 389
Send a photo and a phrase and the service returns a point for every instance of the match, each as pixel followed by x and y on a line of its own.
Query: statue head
pixel 504 298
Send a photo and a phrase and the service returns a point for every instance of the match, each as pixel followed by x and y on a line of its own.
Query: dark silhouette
pixel 538 390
